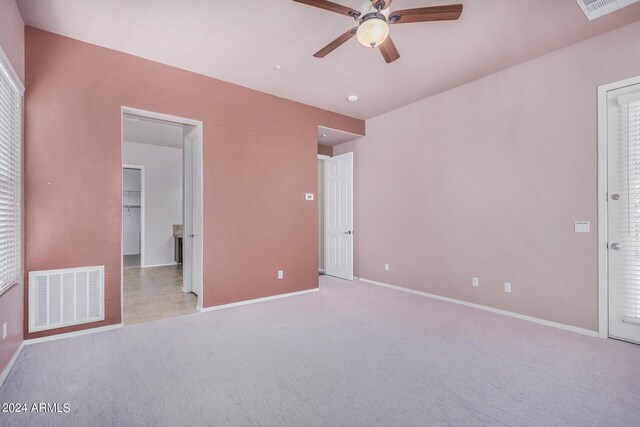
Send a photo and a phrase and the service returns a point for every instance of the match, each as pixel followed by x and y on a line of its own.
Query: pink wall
pixel 325 150
pixel 487 180
pixel 260 157
pixel 12 43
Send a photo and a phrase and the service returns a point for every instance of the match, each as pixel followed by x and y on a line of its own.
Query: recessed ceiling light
pixel 352 98
pixel 278 67
pixel 164 140
pixel 324 135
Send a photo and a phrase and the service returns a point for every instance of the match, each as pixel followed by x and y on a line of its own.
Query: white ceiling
pixel 150 132
pixel 328 136
pixel 241 41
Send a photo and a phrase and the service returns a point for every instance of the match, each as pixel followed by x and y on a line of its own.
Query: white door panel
pixel 131 226
pixel 192 241
pixel 339 216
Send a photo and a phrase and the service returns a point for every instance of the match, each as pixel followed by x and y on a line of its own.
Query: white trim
pixel 603 270
pixel 73 334
pixel 324 232
pixel 160 265
pixel 12 361
pixel 143 209
pixel 252 301
pixel 357 135
pixel 490 309
pixel 160 116
pixel 11 72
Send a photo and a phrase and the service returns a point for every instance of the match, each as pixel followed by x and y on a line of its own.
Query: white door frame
pixel 142 210
pixel 192 149
pixel 324 231
pixel 603 264
pixel 173 119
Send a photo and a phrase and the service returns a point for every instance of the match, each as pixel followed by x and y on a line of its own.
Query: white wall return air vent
pixel 597 8
pixel 59 298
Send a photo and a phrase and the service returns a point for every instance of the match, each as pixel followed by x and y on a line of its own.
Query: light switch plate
pixel 582 227
pixel 308 196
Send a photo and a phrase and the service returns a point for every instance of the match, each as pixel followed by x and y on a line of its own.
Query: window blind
pixel 630 132
pixel 10 179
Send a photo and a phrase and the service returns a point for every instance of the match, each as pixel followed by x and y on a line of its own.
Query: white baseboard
pixel 253 301
pixel 321 270
pixel 159 265
pixel 12 361
pixel 73 334
pixel 490 309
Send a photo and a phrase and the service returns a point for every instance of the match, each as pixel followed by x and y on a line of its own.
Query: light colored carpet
pixel 352 354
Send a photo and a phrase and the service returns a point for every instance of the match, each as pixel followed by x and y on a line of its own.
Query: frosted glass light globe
pixel 373 32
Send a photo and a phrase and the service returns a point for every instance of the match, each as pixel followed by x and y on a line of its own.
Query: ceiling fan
pixel 373 23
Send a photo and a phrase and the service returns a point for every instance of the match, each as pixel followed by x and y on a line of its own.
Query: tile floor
pixel 155 293
pixel 129 261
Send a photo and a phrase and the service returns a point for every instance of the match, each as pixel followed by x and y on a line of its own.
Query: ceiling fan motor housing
pixel 369 8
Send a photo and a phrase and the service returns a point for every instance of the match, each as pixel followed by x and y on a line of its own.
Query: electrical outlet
pixel 475 282
pixel 507 287
pixel 386 267
pixel 4 330
pixel 280 274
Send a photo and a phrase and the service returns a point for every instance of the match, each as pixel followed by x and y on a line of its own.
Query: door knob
pixel 615 197
pixel 348 232
pixel 616 246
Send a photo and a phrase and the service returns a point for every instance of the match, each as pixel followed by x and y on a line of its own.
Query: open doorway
pixel 335 205
pixel 162 218
pixel 132 216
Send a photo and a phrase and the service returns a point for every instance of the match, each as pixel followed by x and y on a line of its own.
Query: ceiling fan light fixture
pixel 373 32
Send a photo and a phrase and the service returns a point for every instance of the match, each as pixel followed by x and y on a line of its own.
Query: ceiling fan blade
pixel 389 51
pixel 334 44
pixel 330 6
pixel 425 14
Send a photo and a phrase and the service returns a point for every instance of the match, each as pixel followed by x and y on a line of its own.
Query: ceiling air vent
pixel 597 8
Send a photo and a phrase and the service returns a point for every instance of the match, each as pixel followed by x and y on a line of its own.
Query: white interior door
pixel 131 229
pixel 623 212
pixel 338 188
pixel 192 240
